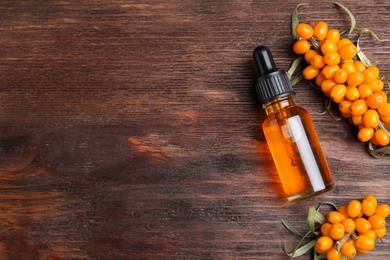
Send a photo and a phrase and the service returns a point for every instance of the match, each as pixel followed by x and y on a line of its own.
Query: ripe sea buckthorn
pixel 349 224
pixel 354 208
pixel 377 221
pixel 320 30
pixel 309 54
pixel 332 58
pixel 320 78
pixel 310 72
pixel 348 66
pixel 377 85
pixel 325 228
pixel 343 42
pixel 333 35
pixel 352 93
pixel 355 79
pixel 357 120
pixel 364 90
pixel 337 93
pixel 327 85
pixel 362 225
pixel 375 100
pixel 328 46
pixel 365 134
pixel 359 107
pixel 365 243
pixel 380 232
pixel 384 109
pixel 345 106
pixel 330 70
pixel 333 254
pixel 304 30
pixel 337 231
pixel 301 46
pixel 348 250
pixel 323 244
pixel 335 217
pixel 370 74
pixel 370 119
pixel 382 137
pixel 347 51
pixel 384 119
pixel 317 61
pixel 340 76
pixel 359 66
pixel 369 204
pixel 383 210
pixel 343 210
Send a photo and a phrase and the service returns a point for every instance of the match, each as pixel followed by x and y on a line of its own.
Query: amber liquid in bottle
pixel 296 149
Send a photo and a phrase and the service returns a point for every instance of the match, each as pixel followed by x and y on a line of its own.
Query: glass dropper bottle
pixel 290 133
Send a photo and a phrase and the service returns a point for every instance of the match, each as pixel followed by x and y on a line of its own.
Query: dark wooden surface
pixel 131 129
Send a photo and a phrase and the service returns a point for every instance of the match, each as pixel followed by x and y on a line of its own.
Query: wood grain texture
pixel 132 130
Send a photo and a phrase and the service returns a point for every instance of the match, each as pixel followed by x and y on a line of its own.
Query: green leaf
pixel 294 66
pixel 296 79
pixel 311 218
pixel 351 16
pixel 295 21
pixel 291 228
pixel 378 152
pixel 303 249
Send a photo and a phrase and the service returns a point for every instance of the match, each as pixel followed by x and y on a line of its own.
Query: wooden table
pixel 131 129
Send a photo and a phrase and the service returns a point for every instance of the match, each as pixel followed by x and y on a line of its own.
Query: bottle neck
pixel 278 104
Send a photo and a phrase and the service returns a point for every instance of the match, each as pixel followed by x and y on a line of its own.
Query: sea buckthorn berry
pixel 333 254
pixel 377 221
pixel 335 217
pixel 375 100
pixel 310 72
pixel 325 228
pixel 377 85
pixel 333 35
pixel 337 93
pixel 323 244
pixel 337 231
pixel 383 210
pixel 328 46
pixel 348 66
pixel 304 30
pixel 362 225
pixel 332 58
pixel 330 70
pixel 359 66
pixel 317 61
pixel 345 106
pixel 352 93
pixel 384 109
pixel 380 233
pixel 327 85
pixel 349 224
pixel 343 210
pixel 320 30
pixel 340 76
pixel 370 74
pixel 381 137
pixel 371 233
pixel 359 107
pixel 369 204
pixel 354 208
pixel 348 250
pixel 357 120
pixel 347 51
pixel 343 42
pixel 365 134
pixel 320 78
pixel 371 119
pixel 301 46
pixel 364 90
pixel 364 243
pixel 384 119
pixel 309 54
pixel 355 79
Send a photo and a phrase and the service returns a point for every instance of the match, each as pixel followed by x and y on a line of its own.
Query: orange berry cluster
pixel 346 80
pixel 353 229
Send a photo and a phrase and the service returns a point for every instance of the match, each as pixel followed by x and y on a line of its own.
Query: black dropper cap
pixel 272 83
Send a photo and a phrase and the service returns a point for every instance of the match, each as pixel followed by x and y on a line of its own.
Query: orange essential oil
pixel 290 133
